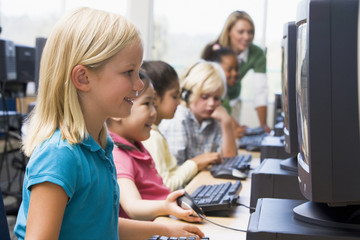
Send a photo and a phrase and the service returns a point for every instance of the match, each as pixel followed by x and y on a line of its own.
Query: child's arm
pixel 140 209
pixel 228 136
pixel 46 211
pixel 240 131
pixel 139 230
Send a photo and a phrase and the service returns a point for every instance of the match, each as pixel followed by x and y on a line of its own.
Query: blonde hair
pixel 224 39
pixel 87 37
pixel 203 77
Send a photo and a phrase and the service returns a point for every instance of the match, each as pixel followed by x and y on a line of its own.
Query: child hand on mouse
pixel 177 211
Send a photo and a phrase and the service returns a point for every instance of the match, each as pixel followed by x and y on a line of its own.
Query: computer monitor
pixel 328 113
pixel 39 46
pixel 25 63
pixel 7 61
pixel 288 77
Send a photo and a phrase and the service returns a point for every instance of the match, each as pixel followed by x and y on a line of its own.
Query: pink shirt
pixel 138 166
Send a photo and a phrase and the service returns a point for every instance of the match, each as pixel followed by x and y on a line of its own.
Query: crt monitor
pixel 39 46
pixel 7 60
pixel 25 63
pixel 328 113
pixel 288 77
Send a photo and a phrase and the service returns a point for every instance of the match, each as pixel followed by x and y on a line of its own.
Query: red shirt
pixel 138 166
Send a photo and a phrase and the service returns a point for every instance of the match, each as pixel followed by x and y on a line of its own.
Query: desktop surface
pixel 236 218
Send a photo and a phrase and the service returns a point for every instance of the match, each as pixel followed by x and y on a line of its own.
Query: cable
pixel 235 229
pixel 241 204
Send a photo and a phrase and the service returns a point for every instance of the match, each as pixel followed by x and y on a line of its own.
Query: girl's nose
pixel 138 84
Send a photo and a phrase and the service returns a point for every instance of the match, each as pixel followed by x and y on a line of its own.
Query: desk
pixel 238 218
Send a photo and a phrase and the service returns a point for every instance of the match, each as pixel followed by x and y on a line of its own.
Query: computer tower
pixel 270 180
pixel 7 60
pixel 273 220
pixel 273 147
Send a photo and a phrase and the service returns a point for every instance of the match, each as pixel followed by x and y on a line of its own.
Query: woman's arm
pixel 46 211
pixel 140 209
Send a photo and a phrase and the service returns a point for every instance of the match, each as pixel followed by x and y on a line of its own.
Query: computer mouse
pixel 228 173
pixel 187 202
pixel 240 174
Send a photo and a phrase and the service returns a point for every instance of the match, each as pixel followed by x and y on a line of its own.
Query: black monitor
pixel 328 112
pixel 288 78
pixel 39 46
pixel 7 60
pixel 25 63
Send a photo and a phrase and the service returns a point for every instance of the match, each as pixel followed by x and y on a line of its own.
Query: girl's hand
pixel 176 210
pixel 184 230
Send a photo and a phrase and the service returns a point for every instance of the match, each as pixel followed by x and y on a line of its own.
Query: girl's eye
pixel 129 72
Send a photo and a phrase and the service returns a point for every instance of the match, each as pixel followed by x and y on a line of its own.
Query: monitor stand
pixel 347 217
pixel 289 164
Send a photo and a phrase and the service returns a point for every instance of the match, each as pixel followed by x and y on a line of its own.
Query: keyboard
pixel 251 143
pixel 254 131
pixel 232 168
pixel 217 197
pixel 158 237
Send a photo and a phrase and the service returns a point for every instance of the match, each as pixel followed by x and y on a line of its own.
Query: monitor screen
pixel 327 105
pixel 288 74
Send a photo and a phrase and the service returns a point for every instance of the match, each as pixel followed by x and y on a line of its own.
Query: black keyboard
pixel 217 196
pixel 157 237
pixel 232 168
pixel 251 143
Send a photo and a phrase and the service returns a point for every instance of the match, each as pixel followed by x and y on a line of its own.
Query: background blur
pixel 174 31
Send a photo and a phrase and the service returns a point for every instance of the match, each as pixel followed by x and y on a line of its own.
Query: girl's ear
pixel 157 99
pixel 79 77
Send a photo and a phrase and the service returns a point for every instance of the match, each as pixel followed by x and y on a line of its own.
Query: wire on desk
pixel 235 229
pixel 241 204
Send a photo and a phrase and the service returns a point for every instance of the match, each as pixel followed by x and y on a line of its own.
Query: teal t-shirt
pixel 87 174
pixel 256 61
